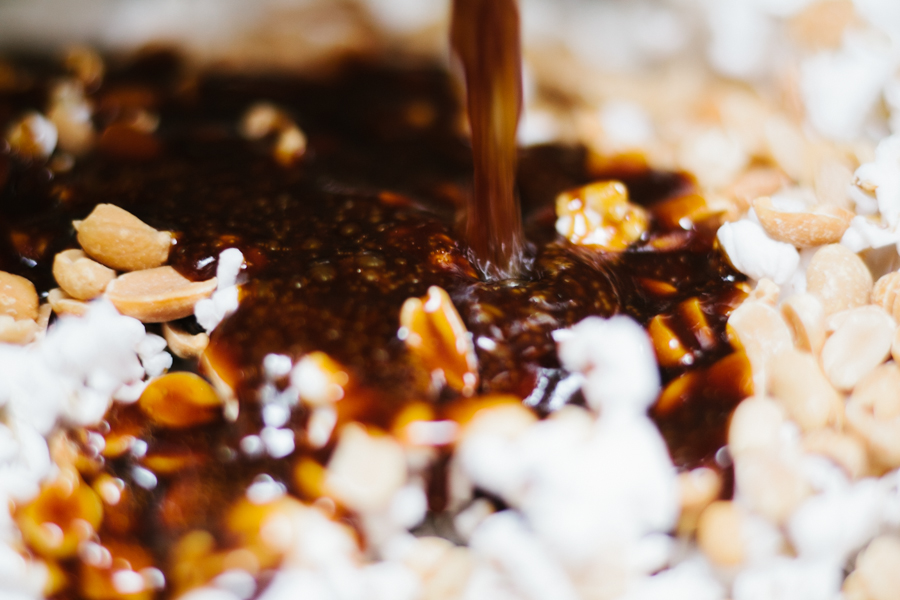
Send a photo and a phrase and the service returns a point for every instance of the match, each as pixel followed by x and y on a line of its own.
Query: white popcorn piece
pixel 276 366
pixel 625 125
pixel 841 88
pixel 755 254
pixel 864 234
pixel 883 175
pixel 832 525
pixel 617 359
pixel 209 312
pixel 504 539
pixel 236 581
pixel 278 442
pixel 231 261
pixel 789 579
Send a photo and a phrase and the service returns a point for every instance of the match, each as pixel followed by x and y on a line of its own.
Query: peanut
pixel 119 240
pixel 18 298
pixel 17 332
pixel 880 390
pixel 697 489
pixel 157 295
pixel 760 330
pixel 873 413
pixel 720 533
pixel 886 294
pixel 798 383
pixel 755 424
pixel 79 276
pixel 878 568
pixel 823 225
pixel 769 485
pixel 844 449
pixel 839 278
pixel 64 304
pixel 365 469
pixel 183 344
pixel 805 315
pixel 860 343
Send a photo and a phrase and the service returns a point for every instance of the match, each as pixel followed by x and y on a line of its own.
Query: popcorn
pixel 756 255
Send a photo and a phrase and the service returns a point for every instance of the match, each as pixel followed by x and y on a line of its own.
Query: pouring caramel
pixel 485 37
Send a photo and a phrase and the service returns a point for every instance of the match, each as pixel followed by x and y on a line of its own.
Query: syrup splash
pixel 485 36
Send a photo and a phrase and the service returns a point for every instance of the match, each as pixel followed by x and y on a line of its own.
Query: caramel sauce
pixel 334 246
pixel 485 37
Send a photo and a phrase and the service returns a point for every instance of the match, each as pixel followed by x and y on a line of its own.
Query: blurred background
pixel 830 65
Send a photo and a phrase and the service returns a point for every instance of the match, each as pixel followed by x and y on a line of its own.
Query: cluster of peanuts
pixel 824 360
pixel 112 240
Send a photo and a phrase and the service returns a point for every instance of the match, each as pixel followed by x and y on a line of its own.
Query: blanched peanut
pixel 798 383
pixel 872 413
pixel 366 469
pixel 157 295
pixel 832 180
pixel 18 298
pixel 804 229
pixel 600 214
pixel 895 346
pixel 755 425
pixel 846 450
pixel 880 390
pixel 64 304
pixel 697 489
pixel 183 344
pixel 839 278
pixel 886 294
pixel 805 315
pixel 821 25
pixel 769 484
pixel 79 276
pixel 878 569
pixel 43 321
pixel 860 343
pixel 17 332
pixel 435 333
pixel 720 533
pixel 179 400
pixel 766 291
pixel 756 182
pixel 120 240
pixel 759 329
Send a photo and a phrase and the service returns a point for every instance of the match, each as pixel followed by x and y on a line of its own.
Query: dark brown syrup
pixel 335 245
